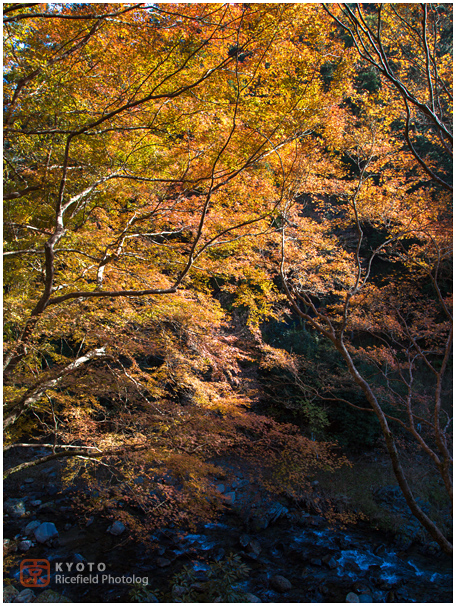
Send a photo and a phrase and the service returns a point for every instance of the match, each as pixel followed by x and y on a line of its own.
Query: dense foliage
pixel 187 188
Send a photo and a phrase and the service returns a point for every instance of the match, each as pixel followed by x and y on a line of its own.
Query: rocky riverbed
pixel 282 553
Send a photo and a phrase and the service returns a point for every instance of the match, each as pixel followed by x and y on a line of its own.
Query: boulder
pixel 352 598
pixel 252 599
pixel 15 507
pixel 26 595
pixel 9 594
pixel 280 583
pixel 330 561
pixel 254 548
pixel 365 598
pixel 31 526
pixel 25 545
pixel 45 532
pixel 117 528
pixel 230 497
pixel 244 540
pixel 148 597
pixel 49 595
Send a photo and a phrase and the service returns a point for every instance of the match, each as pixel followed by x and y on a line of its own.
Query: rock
pixel 78 558
pixel 330 561
pixel 9 594
pixel 365 598
pixel 117 528
pixel 230 497
pixel 220 487
pixel 219 554
pixel 90 521
pixel 31 526
pixel 316 562
pixel 29 480
pixel 45 532
pixel 280 583
pixel 268 514
pixel 35 503
pixel 254 548
pixel 251 599
pixel 178 591
pixel 15 507
pixel 25 545
pixel 163 562
pixel 352 598
pixel 26 595
pixel 147 597
pixel 49 595
pixel 244 540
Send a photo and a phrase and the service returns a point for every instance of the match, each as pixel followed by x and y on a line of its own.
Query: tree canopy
pixel 178 175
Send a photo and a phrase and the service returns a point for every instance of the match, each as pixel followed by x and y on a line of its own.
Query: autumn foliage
pixel 178 175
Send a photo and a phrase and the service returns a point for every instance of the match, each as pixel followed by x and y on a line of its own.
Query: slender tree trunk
pixel 416 510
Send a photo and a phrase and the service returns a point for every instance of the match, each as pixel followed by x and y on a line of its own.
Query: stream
pixel 293 556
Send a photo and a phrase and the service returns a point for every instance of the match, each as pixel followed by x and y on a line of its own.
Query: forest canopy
pixel 185 183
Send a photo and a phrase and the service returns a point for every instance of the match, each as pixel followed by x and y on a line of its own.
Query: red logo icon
pixel 35 573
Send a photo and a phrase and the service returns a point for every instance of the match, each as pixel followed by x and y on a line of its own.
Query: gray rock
pixel 163 562
pixel 15 507
pixel 9 594
pixel 254 548
pixel 35 503
pixel 220 487
pixel 352 598
pixel 117 528
pixel 365 598
pixel 45 532
pixel 51 596
pixel 26 595
pixel 252 599
pixel 280 583
pixel 25 545
pixel 31 526
pixel 230 497
pixel 178 591
pixel 29 480
pixel 148 597
pixel 244 540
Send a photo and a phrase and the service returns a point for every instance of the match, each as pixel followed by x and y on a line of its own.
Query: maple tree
pixel 156 162
pixel 131 182
pixel 407 313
